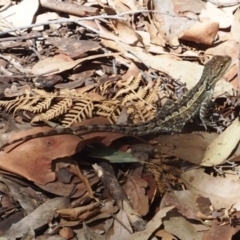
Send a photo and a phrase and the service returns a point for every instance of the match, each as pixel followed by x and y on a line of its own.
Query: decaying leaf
pixel 72 47
pixel 60 63
pixel 36 218
pixel 189 146
pixel 152 225
pixel 222 192
pixel 43 152
pixel 15 16
pixel 218 151
pixel 79 213
pixel 121 227
pixel 176 223
pixel 135 189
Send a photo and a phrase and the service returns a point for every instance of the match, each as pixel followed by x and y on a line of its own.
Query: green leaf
pixel 110 154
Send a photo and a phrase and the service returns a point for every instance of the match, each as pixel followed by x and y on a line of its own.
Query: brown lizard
pixel 172 117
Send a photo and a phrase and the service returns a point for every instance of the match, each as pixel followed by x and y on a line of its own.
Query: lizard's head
pixel 216 68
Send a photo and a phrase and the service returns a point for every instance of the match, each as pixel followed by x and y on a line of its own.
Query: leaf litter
pixel 116 62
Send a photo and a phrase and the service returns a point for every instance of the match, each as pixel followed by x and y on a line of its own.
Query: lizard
pixel 170 118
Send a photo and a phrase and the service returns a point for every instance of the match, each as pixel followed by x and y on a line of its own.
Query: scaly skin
pixel 169 119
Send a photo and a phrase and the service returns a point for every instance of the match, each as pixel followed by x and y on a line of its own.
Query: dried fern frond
pixel 111 110
pixel 9 104
pixel 70 106
pixel 39 106
pixel 127 86
pixel 152 95
pixel 42 93
pixel 21 103
pixel 162 173
pixel 134 96
pixel 56 110
pixel 72 93
pixel 106 87
pixel 81 109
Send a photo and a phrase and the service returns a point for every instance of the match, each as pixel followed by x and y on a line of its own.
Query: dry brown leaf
pixel 175 225
pixel 145 37
pixel 60 63
pixel 152 225
pixel 190 147
pixel 72 47
pixel 155 36
pixel 204 32
pixel 135 189
pixel 90 233
pixel 81 76
pixel 172 24
pixel 15 16
pixel 106 34
pixel 15 91
pixel 48 16
pixel 19 191
pixel 183 201
pixel 236 25
pixel 107 210
pixel 61 189
pixel 223 87
pixel 39 153
pixel 121 227
pixel 221 231
pixel 222 192
pixel 4 2
pixel 133 71
pixel 133 5
pixel 66 233
pixel 152 186
pixel 188 72
pixel 79 213
pixel 125 33
pixel 70 7
pixel 86 88
pixel 107 138
pixel 116 7
pixel 187 6
pixel 220 149
pixel 74 168
pixel 227 47
pixel 165 235
pixel 215 14
pixel 36 219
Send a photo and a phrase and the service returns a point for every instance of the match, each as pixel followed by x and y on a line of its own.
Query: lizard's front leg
pixel 204 107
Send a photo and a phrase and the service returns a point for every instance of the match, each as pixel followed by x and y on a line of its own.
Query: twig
pixel 58 22
pixel 117 16
pixel 37 35
pixel 29 76
pixel 79 22
pixel 31 45
pixel 6 6
pixel 226 4
pixel 238 70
